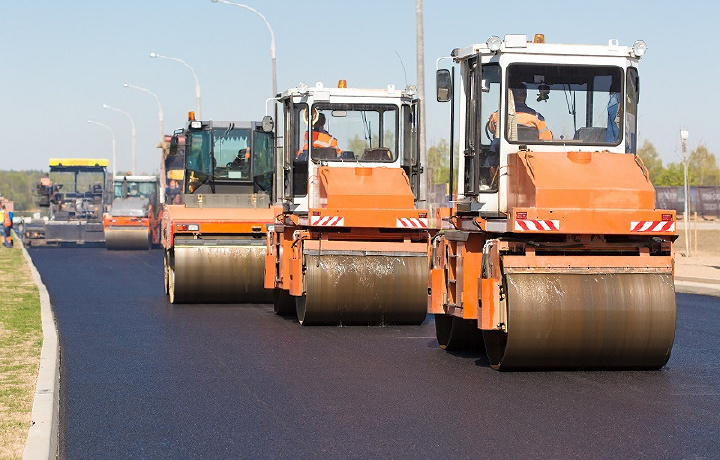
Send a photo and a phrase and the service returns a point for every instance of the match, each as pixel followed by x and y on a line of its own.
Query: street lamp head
pixel 126 85
pixel 153 55
pixel 684 135
pixel 214 1
pixel 105 106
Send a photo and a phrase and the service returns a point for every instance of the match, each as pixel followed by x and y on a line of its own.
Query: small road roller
pixel 351 245
pixel 553 255
pixel 133 220
pixel 213 232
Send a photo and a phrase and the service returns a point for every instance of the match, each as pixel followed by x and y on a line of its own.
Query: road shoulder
pixel 43 435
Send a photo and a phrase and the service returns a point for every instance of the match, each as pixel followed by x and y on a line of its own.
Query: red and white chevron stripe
pixel 411 222
pixel 649 226
pixel 524 225
pixel 327 221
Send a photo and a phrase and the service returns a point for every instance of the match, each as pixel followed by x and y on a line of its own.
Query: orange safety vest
pixel 320 140
pixel 526 119
pixel 6 219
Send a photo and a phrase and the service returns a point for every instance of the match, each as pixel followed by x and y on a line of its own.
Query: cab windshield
pixel 124 189
pixel 231 150
pixel 221 153
pixel 356 132
pixel 77 183
pixel 562 104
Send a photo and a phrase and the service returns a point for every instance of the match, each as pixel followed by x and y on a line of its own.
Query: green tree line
pixel 19 187
pixel 702 167
pixel 438 162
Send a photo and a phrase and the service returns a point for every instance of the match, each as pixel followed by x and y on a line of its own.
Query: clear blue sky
pixel 62 60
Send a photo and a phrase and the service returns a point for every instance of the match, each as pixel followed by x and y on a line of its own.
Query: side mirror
pixel 443 81
pixel 267 124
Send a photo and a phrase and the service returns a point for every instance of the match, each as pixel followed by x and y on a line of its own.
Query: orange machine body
pixel 133 220
pixel 362 209
pixel 351 243
pixel 179 220
pixel 587 211
pixel 151 223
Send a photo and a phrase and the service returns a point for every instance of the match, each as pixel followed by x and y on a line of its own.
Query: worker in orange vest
pixel 7 226
pixel 321 139
pixel 524 115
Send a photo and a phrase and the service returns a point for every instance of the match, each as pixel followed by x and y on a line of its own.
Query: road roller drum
pixel 210 273
pixel 364 289
pixel 128 238
pixel 585 321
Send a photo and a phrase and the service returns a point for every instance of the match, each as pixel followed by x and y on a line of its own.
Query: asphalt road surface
pixel 142 378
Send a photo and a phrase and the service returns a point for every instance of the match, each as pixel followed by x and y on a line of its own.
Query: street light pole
pixel 272 39
pixel 160 109
pixel 198 105
pixel 132 124
pixel 425 185
pixel 684 138
pixel 112 133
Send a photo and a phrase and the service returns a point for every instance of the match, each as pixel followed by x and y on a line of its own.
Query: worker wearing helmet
pixel 524 115
pixel 321 139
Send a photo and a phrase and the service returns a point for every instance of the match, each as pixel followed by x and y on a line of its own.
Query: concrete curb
pixel 43 435
pixel 697 286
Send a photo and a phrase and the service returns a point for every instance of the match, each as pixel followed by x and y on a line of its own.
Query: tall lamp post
pixel 272 39
pixel 160 109
pixel 425 186
pixel 132 124
pixel 198 105
pixel 684 138
pixel 112 133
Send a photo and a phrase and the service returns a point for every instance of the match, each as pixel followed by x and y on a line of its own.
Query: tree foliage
pixel 19 187
pixel 670 176
pixel 650 157
pixel 702 167
pixel 438 162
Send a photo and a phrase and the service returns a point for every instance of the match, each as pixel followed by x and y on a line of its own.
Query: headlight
pixel 639 48
pixel 493 43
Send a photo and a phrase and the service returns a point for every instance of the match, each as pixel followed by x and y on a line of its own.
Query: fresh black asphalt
pixel 142 378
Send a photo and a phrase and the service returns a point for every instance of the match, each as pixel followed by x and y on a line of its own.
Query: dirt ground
pixel 703 262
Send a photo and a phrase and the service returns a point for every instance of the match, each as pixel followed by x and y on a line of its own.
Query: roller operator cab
pixel 214 231
pixel 554 253
pixel 133 220
pixel 350 246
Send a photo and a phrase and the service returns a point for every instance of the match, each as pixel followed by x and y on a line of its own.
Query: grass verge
pixel 20 344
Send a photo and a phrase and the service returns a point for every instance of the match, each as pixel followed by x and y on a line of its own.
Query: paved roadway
pixel 142 378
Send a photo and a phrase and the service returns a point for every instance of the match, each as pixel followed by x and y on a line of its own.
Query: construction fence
pixel 705 200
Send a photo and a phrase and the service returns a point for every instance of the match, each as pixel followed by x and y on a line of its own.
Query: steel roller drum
pixel 585 321
pixel 219 274
pixel 364 289
pixel 127 238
